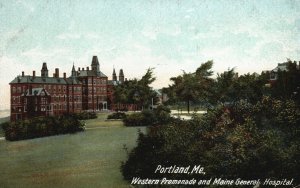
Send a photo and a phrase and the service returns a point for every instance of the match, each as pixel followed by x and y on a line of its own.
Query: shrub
pixel 162 114
pixel 86 115
pixel 42 126
pixel 158 116
pixel 242 141
pixel 117 115
pixel 135 119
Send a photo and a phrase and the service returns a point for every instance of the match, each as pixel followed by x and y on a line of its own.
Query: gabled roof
pixel 36 92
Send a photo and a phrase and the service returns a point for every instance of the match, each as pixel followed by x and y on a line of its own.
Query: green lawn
pixel 87 159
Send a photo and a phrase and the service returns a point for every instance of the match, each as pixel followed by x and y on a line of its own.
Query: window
pixel 43 100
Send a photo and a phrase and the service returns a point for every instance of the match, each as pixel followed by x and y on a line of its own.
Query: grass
pixel 87 159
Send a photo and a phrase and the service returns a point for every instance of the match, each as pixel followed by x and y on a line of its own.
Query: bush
pixel 86 115
pixel 42 126
pixel 135 119
pixel 158 116
pixel 242 141
pixel 117 115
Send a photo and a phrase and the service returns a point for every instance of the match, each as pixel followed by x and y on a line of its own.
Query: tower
pixel 95 65
pixel 114 75
pixel 121 76
pixel 73 71
pixel 44 70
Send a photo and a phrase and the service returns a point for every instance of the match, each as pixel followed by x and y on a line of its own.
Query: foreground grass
pixel 87 159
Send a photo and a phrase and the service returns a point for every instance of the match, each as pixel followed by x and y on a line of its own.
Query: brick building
pixel 85 90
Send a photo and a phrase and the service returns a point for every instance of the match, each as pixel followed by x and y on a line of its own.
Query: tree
pixel 136 91
pixel 192 86
pixel 231 88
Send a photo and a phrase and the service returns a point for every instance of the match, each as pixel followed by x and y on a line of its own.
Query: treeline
pixel 228 88
pixel 45 126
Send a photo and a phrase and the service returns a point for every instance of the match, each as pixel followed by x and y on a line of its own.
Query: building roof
pixel 38 79
pixel 73 80
pixel 281 67
pixel 90 73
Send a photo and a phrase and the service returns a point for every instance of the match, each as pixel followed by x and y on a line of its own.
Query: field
pixel 87 159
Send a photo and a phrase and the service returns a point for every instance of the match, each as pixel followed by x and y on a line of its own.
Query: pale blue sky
pixel 134 35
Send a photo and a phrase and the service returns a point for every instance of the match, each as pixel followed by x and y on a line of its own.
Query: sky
pixel 168 35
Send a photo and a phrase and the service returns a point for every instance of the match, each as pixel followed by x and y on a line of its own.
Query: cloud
pixel 151 34
pixel 190 10
pixel 65 36
pixel 26 5
pixel 40 54
pixel 92 36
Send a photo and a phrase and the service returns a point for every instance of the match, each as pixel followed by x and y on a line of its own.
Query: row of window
pixel 96 89
pixel 49 88
pixel 95 81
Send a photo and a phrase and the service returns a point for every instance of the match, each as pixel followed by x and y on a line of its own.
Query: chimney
pixel 22 73
pixel 33 74
pixel 65 75
pixel 87 68
pixel 57 73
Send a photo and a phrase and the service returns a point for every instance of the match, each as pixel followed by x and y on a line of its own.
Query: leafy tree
pixel 231 88
pixel 136 91
pixel 192 86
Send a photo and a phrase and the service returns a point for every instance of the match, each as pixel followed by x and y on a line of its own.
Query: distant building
pixel 280 67
pixel 85 90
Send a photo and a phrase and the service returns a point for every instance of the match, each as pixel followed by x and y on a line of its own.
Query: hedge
pixel 42 126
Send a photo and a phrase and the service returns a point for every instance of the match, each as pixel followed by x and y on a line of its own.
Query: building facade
pixel 85 90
